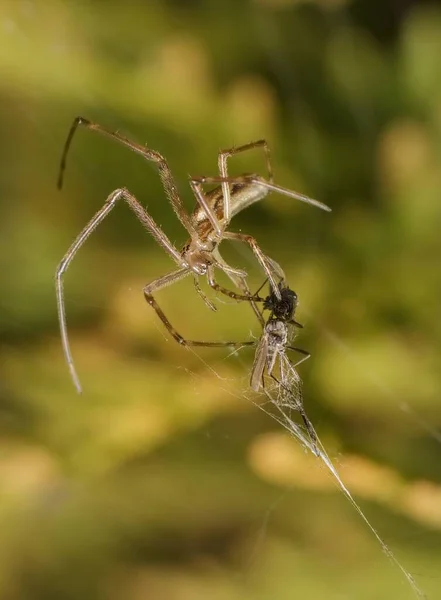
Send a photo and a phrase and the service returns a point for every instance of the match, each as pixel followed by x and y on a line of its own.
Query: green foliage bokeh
pixel 154 482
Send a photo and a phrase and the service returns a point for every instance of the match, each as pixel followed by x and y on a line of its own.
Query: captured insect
pixel 270 360
pixel 278 332
pixel 206 226
pixel 284 398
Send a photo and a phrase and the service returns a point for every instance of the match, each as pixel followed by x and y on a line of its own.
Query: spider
pixel 207 225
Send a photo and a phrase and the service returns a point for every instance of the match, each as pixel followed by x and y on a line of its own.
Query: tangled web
pixel 280 397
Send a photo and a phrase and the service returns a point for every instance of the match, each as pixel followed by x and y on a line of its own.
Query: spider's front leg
pixel 149 155
pixel 269 266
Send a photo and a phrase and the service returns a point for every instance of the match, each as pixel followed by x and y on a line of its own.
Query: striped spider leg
pixel 206 226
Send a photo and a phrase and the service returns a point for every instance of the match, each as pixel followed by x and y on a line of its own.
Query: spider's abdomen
pixel 246 194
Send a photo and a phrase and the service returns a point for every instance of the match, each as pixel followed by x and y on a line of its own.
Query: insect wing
pixel 259 363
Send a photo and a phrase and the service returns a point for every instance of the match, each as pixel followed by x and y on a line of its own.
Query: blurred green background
pixel 163 480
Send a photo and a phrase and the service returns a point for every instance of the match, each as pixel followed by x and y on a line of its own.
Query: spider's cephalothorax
pixel 207 227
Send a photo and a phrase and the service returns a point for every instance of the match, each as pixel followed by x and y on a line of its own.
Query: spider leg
pixel 305 353
pixel 219 288
pixel 164 281
pixel 295 323
pixel 252 299
pixel 196 186
pixel 204 297
pixel 276 268
pixel 268 266
pixel 223 157
pixel 268 185
pixel 165 174
pixel 272 187
pixel 241 283
pixel 110 203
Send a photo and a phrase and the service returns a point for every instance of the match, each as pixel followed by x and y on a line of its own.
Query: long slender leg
pixel 223 157
pixel 267 266
pixel 199 290
pixel 219 288
pixel 110 203
pixel 165 174
pixel 210 276
pixel 241 282
pixel 256 179
pixel 253 298
pixel 164 281
pixel 260 288
pixel 305 353
pixel 209 211
pixel 296 323
pixel 231 271
pixel 276 268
